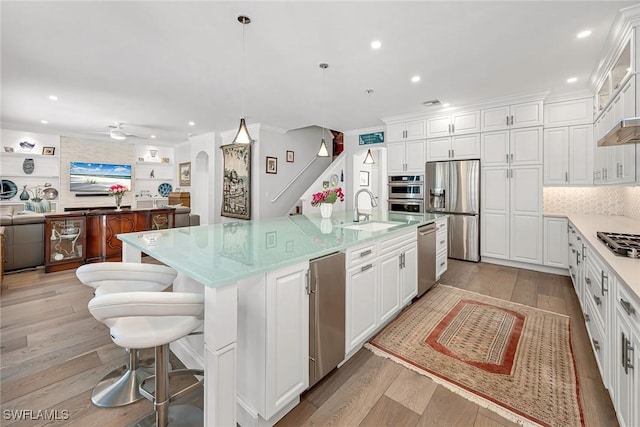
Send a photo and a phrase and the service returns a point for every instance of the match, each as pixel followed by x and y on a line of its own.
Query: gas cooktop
pixel 621 244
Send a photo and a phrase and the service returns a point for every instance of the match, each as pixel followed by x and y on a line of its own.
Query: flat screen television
pixel 98 177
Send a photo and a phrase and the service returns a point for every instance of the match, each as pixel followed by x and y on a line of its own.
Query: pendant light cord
pixel 323 99
pixel 243 71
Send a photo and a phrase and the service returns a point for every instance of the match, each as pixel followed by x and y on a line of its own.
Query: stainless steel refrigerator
pixel 453 187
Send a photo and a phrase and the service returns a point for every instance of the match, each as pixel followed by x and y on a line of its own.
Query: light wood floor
pixel 53 352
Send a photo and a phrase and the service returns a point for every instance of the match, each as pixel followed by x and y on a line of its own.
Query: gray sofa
pixel 24 238
pixel 184 217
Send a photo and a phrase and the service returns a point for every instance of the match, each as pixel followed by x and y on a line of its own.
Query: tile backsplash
pixel 587 200
pixel 632 202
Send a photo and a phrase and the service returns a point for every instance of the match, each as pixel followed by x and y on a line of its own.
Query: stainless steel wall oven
pixel 406 194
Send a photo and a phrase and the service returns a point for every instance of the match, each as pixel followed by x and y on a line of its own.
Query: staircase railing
pixel 293 180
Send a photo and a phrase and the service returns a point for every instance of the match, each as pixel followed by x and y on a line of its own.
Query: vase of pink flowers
pixel 326 199
pixel 117 191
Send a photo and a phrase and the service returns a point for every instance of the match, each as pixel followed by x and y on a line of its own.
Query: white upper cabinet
pixel 405 157
pixel 567 113
pixel 454 147
pixel 512 147
pixel 406 131
pixel 568 155
pixel 512 116
pixel 453 124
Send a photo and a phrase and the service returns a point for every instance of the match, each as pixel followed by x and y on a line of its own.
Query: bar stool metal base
pixel 179 415
pixel 119 387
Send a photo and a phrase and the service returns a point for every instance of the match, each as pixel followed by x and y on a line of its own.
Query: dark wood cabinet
pixel 99 230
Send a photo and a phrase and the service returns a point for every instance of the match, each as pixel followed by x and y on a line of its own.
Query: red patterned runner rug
pixel 512 359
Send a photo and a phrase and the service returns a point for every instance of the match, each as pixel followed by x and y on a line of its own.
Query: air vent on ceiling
pixel 431 103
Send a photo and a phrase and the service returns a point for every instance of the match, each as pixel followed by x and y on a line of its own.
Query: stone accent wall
pixel 632 202
pixel 584 200
pixel 88 150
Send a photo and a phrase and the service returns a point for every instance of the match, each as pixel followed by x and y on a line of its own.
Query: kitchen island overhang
pixel 213 259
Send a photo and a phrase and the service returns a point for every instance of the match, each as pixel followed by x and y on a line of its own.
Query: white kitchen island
pixel 235 262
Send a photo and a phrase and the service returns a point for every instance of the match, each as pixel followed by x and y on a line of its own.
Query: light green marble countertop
pixel 222 253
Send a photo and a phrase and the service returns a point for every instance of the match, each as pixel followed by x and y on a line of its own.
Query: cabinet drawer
pixel 441 263
pixel 360 254
pixel 396 241
pixel 441 225
pixel 629 304
pixel 441 241
pixel 596 335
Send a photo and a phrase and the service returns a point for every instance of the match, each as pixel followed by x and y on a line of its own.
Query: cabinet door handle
pixel 453 128
pixel 366 267
pixel 511 120
pixel 442 242
pixel 507 158
pixel 597 300
pixel 570 244
pixel 584 254
pixel 365 253
pixel 400 261
pixel 596 345
pixel 587 318
pixel 442 264
pixel 586 279
pixel 511 157
pixel 566 177
pixel 507 120
pixel 627 307
pixel 308 282
pixel 623 352
pixel 603 277
pixel 453 153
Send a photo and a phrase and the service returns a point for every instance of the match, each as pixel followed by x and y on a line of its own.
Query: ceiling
pixel 156 65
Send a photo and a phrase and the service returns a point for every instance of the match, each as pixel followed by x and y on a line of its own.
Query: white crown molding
pixel 489 103
pixel 568 96
pixel 361 131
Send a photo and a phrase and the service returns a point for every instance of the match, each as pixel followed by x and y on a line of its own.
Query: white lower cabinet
pixel 378 286
pixel 273 342
pixel 626 357
pixel 442 230
pixel 361 299
pixel 555 242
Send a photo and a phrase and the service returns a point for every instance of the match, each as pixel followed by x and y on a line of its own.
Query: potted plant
pixel 326 199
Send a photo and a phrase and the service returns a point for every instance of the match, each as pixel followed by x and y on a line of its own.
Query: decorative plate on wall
pixel 164 189
pixel 50 193
pixel 9 189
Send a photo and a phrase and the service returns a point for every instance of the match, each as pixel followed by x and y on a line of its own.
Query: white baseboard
pixel 527 266
pixel 187 355
pixel 249 418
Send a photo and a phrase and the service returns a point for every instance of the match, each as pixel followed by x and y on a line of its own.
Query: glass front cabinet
pixel 65 242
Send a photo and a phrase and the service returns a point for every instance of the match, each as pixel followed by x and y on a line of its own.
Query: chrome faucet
pixel 357 214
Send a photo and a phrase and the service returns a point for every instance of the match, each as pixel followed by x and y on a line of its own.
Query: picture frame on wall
pixel 236 187
pixel 48 151
pixel 184 170
pixel 364 178
pixel 272 165
pixel 290 156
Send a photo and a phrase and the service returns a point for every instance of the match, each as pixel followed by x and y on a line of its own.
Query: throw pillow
pixel 42 206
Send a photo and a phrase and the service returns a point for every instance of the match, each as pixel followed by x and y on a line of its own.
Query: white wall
pixel 203 153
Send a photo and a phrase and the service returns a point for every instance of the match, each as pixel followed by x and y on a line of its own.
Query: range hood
pixel 626 131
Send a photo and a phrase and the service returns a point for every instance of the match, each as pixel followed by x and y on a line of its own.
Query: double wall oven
pixel 406 194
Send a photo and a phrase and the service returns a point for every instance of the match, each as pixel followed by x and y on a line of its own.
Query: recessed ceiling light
pixel 44 122
pixel 583 34
pixel 572 80
pixel 53 97
pixel 446 105
pixel 153 137
pixel 415 79
pixel 376 44
pixel 192 123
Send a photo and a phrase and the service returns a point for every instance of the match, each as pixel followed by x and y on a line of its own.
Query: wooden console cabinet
pixel 95 240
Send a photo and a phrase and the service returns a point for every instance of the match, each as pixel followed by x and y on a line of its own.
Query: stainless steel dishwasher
pixel 326 314
pixel 426 257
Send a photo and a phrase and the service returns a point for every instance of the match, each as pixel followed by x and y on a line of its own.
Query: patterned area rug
pixel 512 359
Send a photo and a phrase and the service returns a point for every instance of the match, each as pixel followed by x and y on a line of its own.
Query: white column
pixel 220 336
pixel 130 254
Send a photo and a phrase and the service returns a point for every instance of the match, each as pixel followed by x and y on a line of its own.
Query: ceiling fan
pixel 116 132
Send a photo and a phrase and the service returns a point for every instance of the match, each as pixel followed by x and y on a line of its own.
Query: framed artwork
pixel 371 138
pixel 165 160
pixel 185 174
pixel 290 155
pixel 272 165
pixel 48 151
pixel 236 186
pixel 271 239
pixel 364 179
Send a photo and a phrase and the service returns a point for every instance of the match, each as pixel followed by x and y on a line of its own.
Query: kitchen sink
pixel 370 226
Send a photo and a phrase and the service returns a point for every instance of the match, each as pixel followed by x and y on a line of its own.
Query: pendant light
pixel 368 160
pixel 243 137
pixel 323 152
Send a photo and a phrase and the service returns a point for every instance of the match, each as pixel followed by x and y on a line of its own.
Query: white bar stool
pixel 155 319
pixel 121 386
